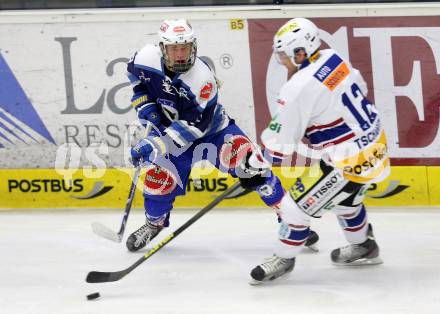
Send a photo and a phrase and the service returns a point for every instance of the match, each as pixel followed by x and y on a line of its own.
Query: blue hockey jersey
pixel 187 102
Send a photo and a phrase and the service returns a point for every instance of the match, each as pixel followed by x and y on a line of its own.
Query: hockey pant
pixel 319 189
pixel 224 150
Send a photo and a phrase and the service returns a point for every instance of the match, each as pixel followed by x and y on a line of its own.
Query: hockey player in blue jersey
pixel 177 92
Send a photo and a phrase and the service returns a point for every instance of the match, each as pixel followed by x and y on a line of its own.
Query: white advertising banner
pixel 66 83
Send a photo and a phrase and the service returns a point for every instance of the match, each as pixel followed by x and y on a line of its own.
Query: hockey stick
pixel 107 233
pixel 97 276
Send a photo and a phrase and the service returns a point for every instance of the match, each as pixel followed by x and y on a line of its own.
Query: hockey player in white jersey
pixel 177 92
pixel 325 101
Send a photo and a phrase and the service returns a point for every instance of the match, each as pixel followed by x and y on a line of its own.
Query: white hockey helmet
pixel 297 33
pixel 175 32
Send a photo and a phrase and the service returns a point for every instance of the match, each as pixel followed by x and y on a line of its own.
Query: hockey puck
pixel 93 296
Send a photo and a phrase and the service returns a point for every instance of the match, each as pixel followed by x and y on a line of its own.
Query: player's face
pixel 179 53
pixel 285 60
pixel 300 56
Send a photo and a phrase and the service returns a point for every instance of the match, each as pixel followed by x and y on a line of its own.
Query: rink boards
pixel 108 188
pixel 64 96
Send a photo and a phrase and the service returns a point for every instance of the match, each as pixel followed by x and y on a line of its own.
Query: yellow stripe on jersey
pixel 139 100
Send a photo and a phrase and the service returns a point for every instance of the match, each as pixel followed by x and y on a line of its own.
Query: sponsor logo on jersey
pixel 206 91
pixel 332 72
pixel 275 126
pixel 19 122
pixel 368 164
pixel 158 180
pixel 234 151
pixel 297 189
pixel 376 155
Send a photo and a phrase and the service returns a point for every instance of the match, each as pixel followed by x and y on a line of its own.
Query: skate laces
pixel 351 250
pixel 144 233
pixel 273 264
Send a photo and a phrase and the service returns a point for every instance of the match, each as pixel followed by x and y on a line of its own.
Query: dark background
pixel 78 4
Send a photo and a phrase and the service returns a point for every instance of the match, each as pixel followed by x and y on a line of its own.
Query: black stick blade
pixel 99 276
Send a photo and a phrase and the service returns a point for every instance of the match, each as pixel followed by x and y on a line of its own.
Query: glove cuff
pixel 158 144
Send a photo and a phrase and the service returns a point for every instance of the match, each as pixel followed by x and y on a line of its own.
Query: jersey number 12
pixel 366 106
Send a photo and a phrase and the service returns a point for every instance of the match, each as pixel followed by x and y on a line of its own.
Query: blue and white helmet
pixel 174 32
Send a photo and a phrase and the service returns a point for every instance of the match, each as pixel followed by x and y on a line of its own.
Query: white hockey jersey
pixel 325 101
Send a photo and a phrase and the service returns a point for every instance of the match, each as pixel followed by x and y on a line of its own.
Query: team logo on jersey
pixel 158 180
pixel 167 87
pixel 143 77
pixel 206 91
pixel 172 90
pixel 234 151
pixel 19 122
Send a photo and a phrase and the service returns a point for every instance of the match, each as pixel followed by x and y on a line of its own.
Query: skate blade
pixel 280 278
pixel 254 282
pixel 313 247
pixel 361 262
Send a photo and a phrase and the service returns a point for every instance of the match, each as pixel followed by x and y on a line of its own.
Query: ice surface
pixel 45 256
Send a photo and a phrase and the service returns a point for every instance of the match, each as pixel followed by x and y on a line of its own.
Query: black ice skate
pixel 366 253
pixel 142 236
pixel 312 241
pixel 271 269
